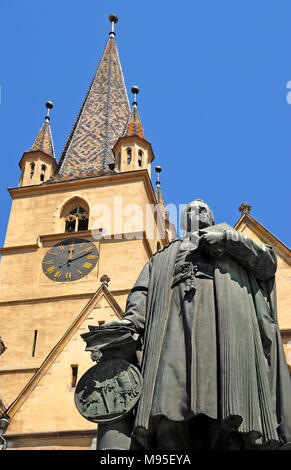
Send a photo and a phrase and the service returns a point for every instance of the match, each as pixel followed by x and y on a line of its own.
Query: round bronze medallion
pixel 108 391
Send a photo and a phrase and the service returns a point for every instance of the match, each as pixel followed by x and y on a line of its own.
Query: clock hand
pixel 71 251
pixel 85 249
pixel 82 256
pixel 73 259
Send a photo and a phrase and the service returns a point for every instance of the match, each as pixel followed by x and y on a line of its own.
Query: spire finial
pixel 158 171
pixel 135 91
pixel 49 106
pixel 244 208
pixel 113 19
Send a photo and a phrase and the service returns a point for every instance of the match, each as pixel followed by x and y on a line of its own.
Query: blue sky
pixel 213 80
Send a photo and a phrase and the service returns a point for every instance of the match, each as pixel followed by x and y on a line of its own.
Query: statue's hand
pixel 212 244
pixel 212 238
pixel 119 323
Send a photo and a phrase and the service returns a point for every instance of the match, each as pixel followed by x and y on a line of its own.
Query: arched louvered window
pixel 118 163
pixel 42 173
pixel 76 216
pixel 140 154
pixel 128 156
pixel 32 167
pixel 22 174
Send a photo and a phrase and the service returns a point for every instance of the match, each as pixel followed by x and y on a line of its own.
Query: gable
pixel 253 229
pixel 47 402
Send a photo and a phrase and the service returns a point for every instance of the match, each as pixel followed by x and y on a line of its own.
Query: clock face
pixel 70 260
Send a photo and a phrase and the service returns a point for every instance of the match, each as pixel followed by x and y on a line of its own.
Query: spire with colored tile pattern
pixel 44 140
pixel 134 125
pixel 100 122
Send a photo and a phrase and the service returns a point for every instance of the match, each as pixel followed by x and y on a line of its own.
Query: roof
pixel 44 140
pixel 101 121
pixel 134 125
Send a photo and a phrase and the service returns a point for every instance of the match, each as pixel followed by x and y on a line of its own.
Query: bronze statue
pixel 213 367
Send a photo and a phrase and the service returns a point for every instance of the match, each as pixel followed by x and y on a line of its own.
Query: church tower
pixel 76 241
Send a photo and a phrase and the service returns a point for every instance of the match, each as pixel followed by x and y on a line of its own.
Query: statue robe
pixel 240 376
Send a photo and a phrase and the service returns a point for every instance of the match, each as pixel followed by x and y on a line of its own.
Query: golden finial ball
pixel 135 89
pixel 49 105
pixel 113 18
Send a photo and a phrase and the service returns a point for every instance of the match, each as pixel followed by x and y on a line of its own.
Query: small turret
pixel 38 164
pixel 132 151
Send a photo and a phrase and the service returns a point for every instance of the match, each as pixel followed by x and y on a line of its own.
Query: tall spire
pixel 134 125
pixel 100 122
pixel 44 140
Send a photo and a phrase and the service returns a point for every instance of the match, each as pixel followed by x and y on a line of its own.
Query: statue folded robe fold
pixel 212 344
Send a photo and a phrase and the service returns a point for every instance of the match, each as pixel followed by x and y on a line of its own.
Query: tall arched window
pixel 128 156
pixel 118 162
pixel 42 174
pixel 21 176
pixel 75 215
pixel 32 166
pixel 140 154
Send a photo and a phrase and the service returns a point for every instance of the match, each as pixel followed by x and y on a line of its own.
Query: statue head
pixel 196 215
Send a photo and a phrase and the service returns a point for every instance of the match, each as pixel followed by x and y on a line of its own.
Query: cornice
pixel 128 139
pixel 286 332
pixel 59 298
pixel 33 153
pixel 51 434
pixel 18 248
pixel 21 191
pixel 55 237
pixel 18 371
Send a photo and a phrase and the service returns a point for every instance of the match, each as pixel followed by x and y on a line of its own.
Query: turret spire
pixel 44 140
pixel 134 125
pixel 39 162
pixel 159 196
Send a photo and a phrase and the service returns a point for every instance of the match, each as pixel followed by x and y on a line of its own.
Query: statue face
pixel 197 215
